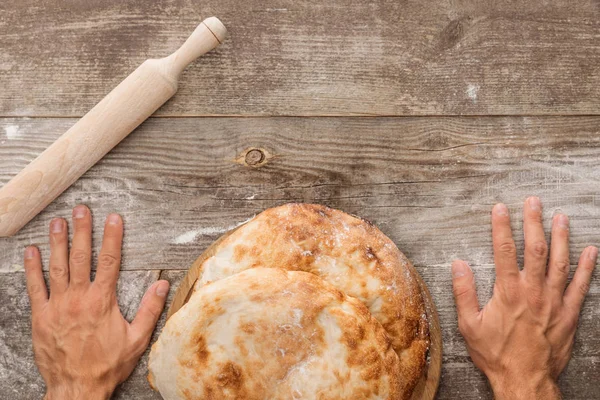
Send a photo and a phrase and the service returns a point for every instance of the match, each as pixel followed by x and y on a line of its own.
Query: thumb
pixel 150 309
pixel 465 296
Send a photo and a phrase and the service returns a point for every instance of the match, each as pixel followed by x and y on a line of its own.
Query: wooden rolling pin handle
pixel 101 129
pixel 208 35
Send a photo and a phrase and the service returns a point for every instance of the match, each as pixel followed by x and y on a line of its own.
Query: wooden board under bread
pixel 428 385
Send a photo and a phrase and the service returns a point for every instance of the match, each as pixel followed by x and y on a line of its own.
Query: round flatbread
pixel 349 253
pixel 268 333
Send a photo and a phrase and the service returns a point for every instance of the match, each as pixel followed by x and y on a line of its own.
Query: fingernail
pixel 501 210
pixel 460 269
pixel 79 212
pixel 56 226
pixel 162 289
pixel 114 219
pixel 562 221
pixel 593 253
pixel 534 203
pixel 29 253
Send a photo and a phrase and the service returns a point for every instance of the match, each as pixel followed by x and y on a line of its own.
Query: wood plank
pixel 339 57
pixel 18 373
pixel 427 183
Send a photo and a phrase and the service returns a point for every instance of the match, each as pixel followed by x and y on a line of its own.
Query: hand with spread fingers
pixel 523 337
pixel 83 346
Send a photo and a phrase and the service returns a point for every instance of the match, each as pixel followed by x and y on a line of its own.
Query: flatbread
pixel 268 333
pixel 349 253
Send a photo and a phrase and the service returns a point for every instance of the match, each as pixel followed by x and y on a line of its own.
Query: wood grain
pixel 429 183
pixel 106 125
pixel 336 57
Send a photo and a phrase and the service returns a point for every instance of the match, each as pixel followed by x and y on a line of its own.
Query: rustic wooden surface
pixel 284 57
pixel 475 102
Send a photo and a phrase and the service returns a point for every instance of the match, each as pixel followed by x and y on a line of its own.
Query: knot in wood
pixel 254 157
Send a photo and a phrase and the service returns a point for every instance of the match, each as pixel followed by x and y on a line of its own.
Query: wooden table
pixel 418 116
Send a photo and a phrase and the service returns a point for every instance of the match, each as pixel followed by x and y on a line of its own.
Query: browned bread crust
pixel 349 253
pixel 268 333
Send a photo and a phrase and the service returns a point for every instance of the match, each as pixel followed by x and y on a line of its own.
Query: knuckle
pixel 539 249
pixel 34 289
pixel 79 256
pixel 508 248
pixel 461 291
pixel 583 288
pixel 589 268
pixel 58 271
pixel 108 261
pixel 152 309
pixel 562 266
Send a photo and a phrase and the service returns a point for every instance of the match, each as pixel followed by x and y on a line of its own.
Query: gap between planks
pixel 162 271
pixel 250 116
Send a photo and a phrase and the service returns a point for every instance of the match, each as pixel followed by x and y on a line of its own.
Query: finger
pixel 36 287
pixel 536 247
pixel 81 248
pixel 559 265
pixel 580 284
pixel 463 284
pixel 59 256
pixel 505 251
pixel 150 309
pixel 109 260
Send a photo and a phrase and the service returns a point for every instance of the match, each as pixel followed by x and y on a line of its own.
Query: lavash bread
pixel 337 249
pixel 349 253
pixel 268 333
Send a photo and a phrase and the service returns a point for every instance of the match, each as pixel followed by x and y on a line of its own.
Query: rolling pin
pixel 94 135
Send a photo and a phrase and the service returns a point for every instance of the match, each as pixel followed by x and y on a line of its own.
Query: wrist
pixel 75 391
pixel 526 387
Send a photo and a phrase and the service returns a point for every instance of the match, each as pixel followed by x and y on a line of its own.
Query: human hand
pixel 523 337
pixel 82 344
